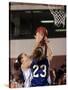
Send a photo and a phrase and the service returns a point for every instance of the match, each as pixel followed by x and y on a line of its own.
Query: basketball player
pixel 40 66
pixel 39 69
pixel 41 40
pixel 23 76
pixel 25 71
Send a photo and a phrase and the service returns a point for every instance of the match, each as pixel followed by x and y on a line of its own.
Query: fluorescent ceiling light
pixel 47 21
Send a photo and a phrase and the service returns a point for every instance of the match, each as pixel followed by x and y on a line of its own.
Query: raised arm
pixel 48 52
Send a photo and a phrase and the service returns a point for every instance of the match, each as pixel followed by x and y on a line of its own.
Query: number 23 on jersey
pixel 37 68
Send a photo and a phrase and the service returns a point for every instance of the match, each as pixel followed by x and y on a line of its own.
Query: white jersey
pixel 27 76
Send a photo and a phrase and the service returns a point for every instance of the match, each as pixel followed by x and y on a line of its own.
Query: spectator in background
pixel 53 76
pixel 61 75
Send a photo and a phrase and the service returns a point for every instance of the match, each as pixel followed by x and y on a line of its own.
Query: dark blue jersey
pixel 39 72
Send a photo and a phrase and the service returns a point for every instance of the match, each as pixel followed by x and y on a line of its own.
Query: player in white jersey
pixel 25 62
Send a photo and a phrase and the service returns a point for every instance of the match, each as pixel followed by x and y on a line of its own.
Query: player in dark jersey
pixel 40 66
pixel 40 73
pixel 41 40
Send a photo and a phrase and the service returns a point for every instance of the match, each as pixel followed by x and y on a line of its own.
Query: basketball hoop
pixel 59 16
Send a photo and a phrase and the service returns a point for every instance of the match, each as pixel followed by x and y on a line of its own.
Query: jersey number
pixel 36 68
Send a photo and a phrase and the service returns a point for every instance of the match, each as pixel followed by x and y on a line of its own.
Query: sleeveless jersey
pixel 39 72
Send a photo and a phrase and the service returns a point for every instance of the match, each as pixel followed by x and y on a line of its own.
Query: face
pixel 39 36
pixel 24 58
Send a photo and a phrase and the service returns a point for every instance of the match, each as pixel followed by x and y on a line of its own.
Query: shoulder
pixel 45 61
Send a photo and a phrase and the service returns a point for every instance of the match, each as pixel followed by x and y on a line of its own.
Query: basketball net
pixel 59 16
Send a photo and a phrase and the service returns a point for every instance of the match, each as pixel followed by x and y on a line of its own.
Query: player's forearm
pixel 49 53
